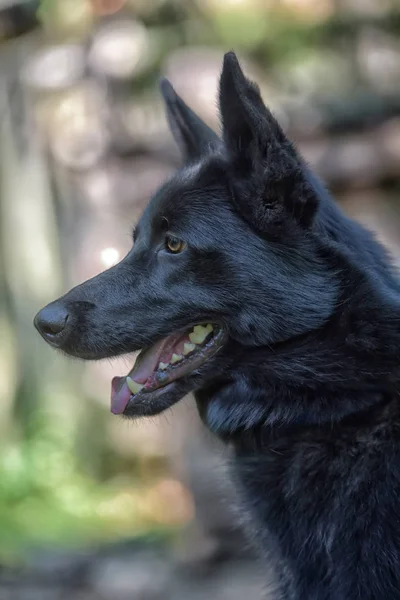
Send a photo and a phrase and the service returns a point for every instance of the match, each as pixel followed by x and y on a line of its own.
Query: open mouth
pixel 166 361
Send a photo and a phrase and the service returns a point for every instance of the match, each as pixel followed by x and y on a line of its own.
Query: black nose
pixel 51 321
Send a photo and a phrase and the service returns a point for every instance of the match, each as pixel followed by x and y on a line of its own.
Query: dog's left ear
pixel 192 135
pixel 269 178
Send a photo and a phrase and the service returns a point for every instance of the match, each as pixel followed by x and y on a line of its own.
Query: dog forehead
pixel 190 191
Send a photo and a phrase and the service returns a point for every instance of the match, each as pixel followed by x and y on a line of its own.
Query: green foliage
pixel 45 6
pixel 46 498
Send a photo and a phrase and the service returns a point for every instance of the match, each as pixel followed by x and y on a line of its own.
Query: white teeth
pixel 188 348
pixel 200 332
pixel 133 385
pixel 162 366
pixel 176 358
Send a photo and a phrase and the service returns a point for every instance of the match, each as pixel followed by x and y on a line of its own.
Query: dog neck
pixel 344 369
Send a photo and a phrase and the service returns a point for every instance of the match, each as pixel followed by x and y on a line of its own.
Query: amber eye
pixel 174 244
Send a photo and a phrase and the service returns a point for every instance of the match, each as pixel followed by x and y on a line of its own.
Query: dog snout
pixel 52 322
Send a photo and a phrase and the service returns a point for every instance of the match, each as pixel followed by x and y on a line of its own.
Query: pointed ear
pixel 269 175
pixel 192 135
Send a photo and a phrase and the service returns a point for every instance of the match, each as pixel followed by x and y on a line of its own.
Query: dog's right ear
pixel 192 135
pixel 269 181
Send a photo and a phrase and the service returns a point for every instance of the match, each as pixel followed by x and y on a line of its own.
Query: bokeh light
pixel 109 257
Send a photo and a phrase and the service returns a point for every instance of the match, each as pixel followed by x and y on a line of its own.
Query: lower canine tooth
pixel 188 348
pixel 176 358
pixel 163 366
pixel 133 385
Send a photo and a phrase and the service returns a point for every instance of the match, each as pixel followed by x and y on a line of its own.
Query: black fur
pixel 306 388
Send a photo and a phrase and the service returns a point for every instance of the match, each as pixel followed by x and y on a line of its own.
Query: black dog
pixel 247 285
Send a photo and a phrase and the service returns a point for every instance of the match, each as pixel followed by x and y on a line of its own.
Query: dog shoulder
pixel 346 485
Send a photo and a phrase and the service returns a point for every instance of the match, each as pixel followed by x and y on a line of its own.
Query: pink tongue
pixel 120 394
pixel 147 362
pixel 143 369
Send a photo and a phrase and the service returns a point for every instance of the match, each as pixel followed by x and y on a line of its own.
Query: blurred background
pixel 91 505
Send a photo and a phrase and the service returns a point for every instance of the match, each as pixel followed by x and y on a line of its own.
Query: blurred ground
pixel 130 572
pixel 83 144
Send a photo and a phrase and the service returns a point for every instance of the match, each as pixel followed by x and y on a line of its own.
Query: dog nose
pixel 51 321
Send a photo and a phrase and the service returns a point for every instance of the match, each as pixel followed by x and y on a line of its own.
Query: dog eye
pixel 174 244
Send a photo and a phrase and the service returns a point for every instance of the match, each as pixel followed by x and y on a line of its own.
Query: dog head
pixel 224 260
